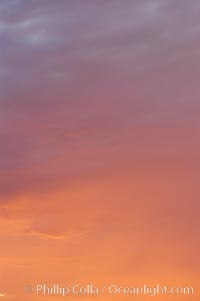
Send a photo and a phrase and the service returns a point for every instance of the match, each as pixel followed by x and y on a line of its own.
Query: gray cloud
pixel 83 74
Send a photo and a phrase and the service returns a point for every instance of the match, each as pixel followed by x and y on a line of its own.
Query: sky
pixel 99 144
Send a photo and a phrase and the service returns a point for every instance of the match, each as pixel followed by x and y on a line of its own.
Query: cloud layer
pixel 99 140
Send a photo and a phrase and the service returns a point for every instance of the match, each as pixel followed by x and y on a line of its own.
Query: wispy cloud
pixel 45 235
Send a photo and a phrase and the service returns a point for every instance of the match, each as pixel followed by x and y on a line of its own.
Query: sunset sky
pixel 99 145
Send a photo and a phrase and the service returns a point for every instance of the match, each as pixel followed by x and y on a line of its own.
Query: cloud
pixel 46 236
pixel 91 90
pixel 99 134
